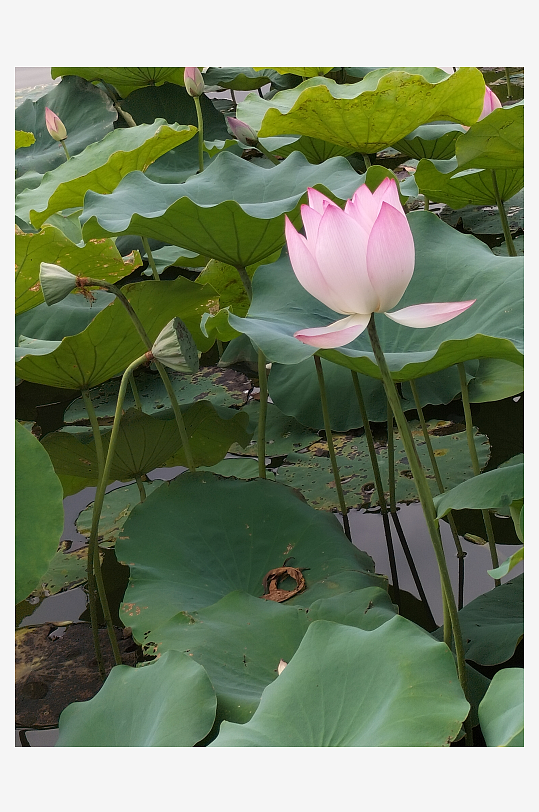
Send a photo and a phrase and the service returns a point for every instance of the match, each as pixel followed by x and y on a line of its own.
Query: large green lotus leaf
pixel 493 624
pixel 283 433
pixel 486 219
pixel 315 149
pixel 436 141
pixel 239 78
pixel 446 182
pixel 347 687
pixel 294 389
pixel 493 489
pixel 241 639
pixel 124 79
pixel 146 442
pixel 171 255
pixel 501 712
pixel 221 387
pixel 311 473
pixel 99 259
pixel 51 323
pixel 369 115
pixel 86 112
pixel 495 142
pixel 238 467
pixel 249 528
pixel 39 512
pixel 233 211
pixel 495 380
pixel 117 506
pixel 110 342
pixel 100 167
pixel 464 268
pixel 226 281
pixel 169 703
pixel 174 104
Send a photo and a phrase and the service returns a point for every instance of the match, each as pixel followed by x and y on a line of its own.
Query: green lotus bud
pixel 56 282
pixel 55 125
pixel 167 348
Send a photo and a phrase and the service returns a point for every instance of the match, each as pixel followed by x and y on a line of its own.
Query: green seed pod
pixel 56 282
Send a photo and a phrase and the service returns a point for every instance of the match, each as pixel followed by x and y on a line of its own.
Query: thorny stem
pixel 427 504
pixel 475 465
pixel 460 552
pixel 426 203
pixel 141 490
pixel 200 124
pixel 331 448
pixel 263 384
pixel 246 281
pixel 151 260
pixel 134 389
pixel 392 500
pixel 88 282
pixel 511 250
pixel 90 555
pixel 508 80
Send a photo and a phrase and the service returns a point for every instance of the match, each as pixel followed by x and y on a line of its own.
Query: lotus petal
pixel 338 334
pixel 429 315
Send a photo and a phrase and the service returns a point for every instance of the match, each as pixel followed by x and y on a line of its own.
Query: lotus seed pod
pixel 56 282
pixel 166 347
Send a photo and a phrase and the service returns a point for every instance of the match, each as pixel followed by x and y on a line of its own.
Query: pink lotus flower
pixel 357 262
pixel 491 103
pixel 54 125
pixel 240 130
pixel 193 81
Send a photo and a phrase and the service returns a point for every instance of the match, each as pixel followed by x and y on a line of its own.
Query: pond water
pixel 502 422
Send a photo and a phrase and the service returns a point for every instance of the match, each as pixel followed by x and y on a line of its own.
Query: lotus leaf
pixel 495 142
pixel 125 80
pixel 240 78
pixel 283 434
pixel 446 182
pixel 493 624
pixel 110 342
pixel 100 167
pixel 466 269
pixel 170 703
pixel 495 380
pixel 299 71
pixel 493 489
pixel 39 512
pixel 98 258
pixel 221 387
pixel 23 139
pixel 86 112
pixel 501 712
pixel 347 687
pixel 311 472
pixel 66 570
pixel 436 141
pixel 171 255
pixel 233 212
pixel 369 115
pixel 315 149
pixel 241 639
pixel 248 529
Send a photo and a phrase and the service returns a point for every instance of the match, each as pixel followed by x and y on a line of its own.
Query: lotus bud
pixel 193 81
pixel 167 349
pixel 281 667
pixel 491 102
pixel 55 126
pixel 240 130
pixel 56 282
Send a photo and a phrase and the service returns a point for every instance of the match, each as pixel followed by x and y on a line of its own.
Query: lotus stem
pixel 220 348
pixel 68 156
pixel 426 203
pixel 88 282
pixel 134 389
pixel 141 490
pixel 246 281
pixel 366 160
pixel 460 552
pixel 329 438
pixel 392 500
pixel 268 154
pixel 427 504
pixel 508 80
pixel 511 250
pixel 200 123
pixel 263 384
pixel 92 602
pixel 151 260
pixel 475 465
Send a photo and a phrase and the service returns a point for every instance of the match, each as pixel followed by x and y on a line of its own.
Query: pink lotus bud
pixel 194 83
pixel 281 667
pixel 491 103
pixel 54 125
pixel 357 262
pixel 240 130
